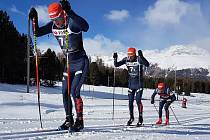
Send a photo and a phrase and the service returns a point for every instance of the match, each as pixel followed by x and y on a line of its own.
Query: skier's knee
pixel 139 91
pixel 129 91
pixel 138 101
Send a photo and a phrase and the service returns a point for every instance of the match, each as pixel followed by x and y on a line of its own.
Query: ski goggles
pixel 57 19
pixel 160 91
pixel 131 57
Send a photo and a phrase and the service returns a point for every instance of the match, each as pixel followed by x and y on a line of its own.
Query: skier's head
pixel 161 87
pixel 131 53
pixel 56 14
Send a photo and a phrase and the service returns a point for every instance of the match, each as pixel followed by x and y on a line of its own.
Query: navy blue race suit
pixel 135 80
pixel 78 59
pixel 166 98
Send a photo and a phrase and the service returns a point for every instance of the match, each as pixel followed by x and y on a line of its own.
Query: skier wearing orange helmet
pixel 166 98
pixel 67 27
pixel 135 65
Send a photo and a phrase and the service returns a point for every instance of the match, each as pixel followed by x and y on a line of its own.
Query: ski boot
pixel 159 121
pixel 79 125
pixel 167 121
pixel 140 121
pixel 130 121
pixel 67 124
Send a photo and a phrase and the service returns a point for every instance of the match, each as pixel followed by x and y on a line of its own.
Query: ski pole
pixel 37 71
pixel 28 55
pixel 67 62
pixel 113 96
pixel 174 115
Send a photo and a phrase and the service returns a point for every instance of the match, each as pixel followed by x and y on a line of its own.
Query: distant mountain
pixel 187 59
pixel 179 57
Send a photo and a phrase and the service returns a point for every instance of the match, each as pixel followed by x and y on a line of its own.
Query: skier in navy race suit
pixel 166 98
pixel 135 81
pixel 65 21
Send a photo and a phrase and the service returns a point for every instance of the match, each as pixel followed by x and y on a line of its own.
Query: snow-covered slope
pixel 178 56
pixel 19 113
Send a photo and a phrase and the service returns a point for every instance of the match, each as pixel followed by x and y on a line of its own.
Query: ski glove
pixel 65 5
pixel 115 55
pixel 152 101
pixel 33 13
pixel 173 98
pixel 140 53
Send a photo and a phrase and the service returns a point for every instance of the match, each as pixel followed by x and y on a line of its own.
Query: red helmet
pixel 55 10
pixel 161 86
pixel 131 51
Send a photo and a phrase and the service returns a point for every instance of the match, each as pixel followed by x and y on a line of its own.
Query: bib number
pixel 61 41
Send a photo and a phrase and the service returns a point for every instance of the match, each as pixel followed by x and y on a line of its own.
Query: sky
pixel 116 25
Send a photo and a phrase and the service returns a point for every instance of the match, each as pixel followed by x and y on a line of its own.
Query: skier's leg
pixel 68 108
pixel 68 111
pixel 76 96
pixel 139 93
pixel 77 82
pixel 161 104
pixel 131 94
pixel 167 112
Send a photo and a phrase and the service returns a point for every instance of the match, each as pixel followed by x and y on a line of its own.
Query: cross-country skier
pixel 166 98
pixel 65 21
pixel 134 64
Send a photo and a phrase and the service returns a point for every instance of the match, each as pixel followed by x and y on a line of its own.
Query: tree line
pixel 13 51
pixel 99 75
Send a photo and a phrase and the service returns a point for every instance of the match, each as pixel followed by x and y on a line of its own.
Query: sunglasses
pixel 58 19
pixel 131 57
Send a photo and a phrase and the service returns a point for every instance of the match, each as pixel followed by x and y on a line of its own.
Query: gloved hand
pixel 115 55
pixel 173 98
pixel 33 14
pixel 152 101
pixel 65 5
pixel 140 53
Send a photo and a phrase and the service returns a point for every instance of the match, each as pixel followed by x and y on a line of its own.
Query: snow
pixel 19 113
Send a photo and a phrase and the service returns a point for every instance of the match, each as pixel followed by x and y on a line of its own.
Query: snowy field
pixel 19 116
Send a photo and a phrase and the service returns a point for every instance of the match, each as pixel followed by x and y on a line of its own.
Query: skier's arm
pixel 142 59
pixel 172 96
pixel 153 96
pixel 81 22
pixel 40 31
pixel 46 29
pixel 122 62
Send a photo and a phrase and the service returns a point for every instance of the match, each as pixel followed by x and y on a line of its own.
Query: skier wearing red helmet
pixel 166 98
pixel 135 65
pixel 67 27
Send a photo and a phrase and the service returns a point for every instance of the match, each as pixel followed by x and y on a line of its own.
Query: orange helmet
pixel 55 10
pixel 161 86
pixel 131 51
